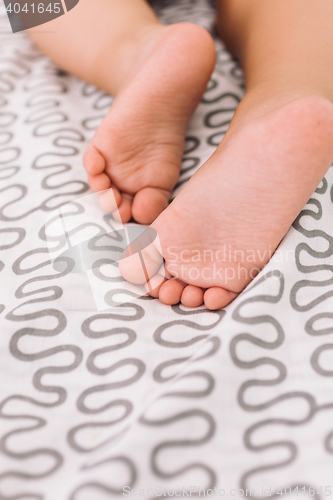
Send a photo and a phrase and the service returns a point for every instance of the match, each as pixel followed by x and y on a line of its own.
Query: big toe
pixel 142 259
pixel 148 203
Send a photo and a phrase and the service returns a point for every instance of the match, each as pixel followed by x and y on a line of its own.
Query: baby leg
pixel 225 224
pixel 156 73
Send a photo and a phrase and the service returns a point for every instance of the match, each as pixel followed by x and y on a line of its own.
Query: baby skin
pixel 224 225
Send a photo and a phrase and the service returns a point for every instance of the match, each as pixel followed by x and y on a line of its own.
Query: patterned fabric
pixel 145 395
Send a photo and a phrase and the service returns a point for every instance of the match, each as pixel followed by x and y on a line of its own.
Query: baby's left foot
pixel 138 148
pixel 223 227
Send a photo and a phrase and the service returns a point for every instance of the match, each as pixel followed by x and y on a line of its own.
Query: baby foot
pixel 223 227
pixel 138 147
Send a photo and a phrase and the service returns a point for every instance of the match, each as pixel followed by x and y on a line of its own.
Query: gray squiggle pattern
pixel 144 394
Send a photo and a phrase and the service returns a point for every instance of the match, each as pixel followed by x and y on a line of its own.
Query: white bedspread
pixel 147 395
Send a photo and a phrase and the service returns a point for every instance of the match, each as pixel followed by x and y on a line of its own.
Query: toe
pixel 192 296
pixel 153 286
pixel 124 212
pixel 110 199
pixel 142 259
pixel 148 203
pixel 171 292
pixel 93 161
pixel 217 298
pixel 99 182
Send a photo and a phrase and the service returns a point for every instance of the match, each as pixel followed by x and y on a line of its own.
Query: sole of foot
pixel 226 223
pixel 137 149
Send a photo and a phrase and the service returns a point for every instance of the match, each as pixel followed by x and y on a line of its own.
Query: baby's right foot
pixel 138 147
pixel 223 227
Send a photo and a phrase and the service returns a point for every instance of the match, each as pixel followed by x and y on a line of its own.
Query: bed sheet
pixel 147 396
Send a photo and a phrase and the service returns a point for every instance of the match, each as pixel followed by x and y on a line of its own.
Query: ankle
pixel 263 98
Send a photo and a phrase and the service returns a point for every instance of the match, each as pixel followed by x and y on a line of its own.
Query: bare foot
pixel 223 227
pixel 138 147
